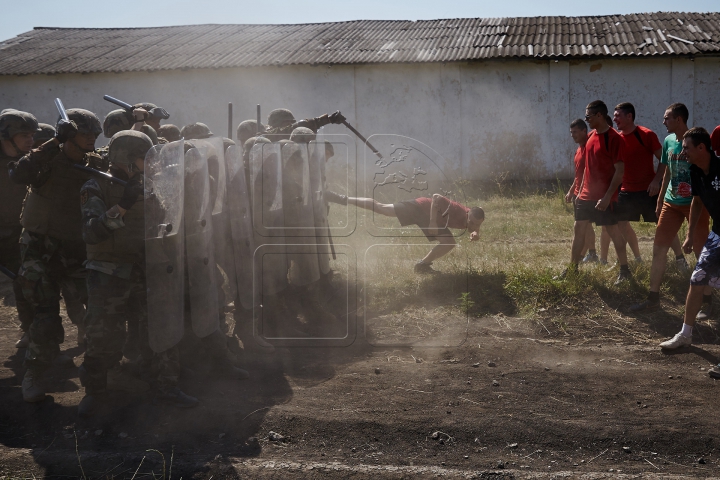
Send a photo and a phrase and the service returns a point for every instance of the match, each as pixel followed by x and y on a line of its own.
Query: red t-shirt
pixel 453 217
pixel 715 140
pixel 602 152
pixel 638 149
pixel 579 168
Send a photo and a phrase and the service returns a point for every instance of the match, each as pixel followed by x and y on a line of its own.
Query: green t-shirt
pixel 678 191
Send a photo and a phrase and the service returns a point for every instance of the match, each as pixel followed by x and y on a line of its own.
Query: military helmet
pixel 169 132
pixel 45 133
pixel 116 121
pixel 153 110
pixel 196 131
pixel 247 129
pixel 302 135
pixel 86 121
pixel 13 122
pixel 150 132
pixel 280 117
pixel 127 145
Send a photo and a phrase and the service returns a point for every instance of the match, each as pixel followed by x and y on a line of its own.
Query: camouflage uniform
pixel 52 250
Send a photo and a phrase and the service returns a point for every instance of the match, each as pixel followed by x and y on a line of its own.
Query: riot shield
pixel 212 150
pixel 270 266
pixel 318 186
pixel 164 244
pixel 199 244
pixel 238 200
pixel 303 268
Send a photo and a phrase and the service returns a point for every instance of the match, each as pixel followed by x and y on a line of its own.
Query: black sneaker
pixel 714 372
pixel 176 398
pixel 646 305
pixel 421 267
pixel 623 276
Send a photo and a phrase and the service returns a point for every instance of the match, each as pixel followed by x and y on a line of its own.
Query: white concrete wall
pixel 485 118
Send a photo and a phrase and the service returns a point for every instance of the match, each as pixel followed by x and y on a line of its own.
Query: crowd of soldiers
pixel 150 240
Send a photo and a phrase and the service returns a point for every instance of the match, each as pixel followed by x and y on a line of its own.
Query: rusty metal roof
pixel 80 50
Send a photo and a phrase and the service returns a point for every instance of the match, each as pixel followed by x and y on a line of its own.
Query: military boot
pixel 121 380
pixel 227 367
pixel 23 342
pixel 64 360
pixel 32 388
pixel 176 398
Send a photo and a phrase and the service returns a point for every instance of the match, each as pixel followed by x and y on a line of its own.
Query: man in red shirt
pixel 597 198
pixel 578 132
pixel 434 216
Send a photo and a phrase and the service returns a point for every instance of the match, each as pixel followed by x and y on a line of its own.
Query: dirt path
pixel 510 402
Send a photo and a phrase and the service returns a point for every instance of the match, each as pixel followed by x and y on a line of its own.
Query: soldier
pixel 246 130
pixel 281 123
pixel 46 132
pixel 116 277
pixel 51 240
pixel 16 139
pixel 169 132
pixel 119 120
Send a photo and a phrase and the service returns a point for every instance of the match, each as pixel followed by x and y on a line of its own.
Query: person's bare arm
pixel 654 186
pixel 604 202
pixel 695 209
pixel 570 194
pixel 661 196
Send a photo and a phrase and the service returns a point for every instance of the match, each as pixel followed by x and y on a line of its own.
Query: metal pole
pixel 364 140
pixel 230 121
pixel 259 128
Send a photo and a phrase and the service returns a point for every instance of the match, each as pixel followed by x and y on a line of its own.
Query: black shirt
pixel 707 187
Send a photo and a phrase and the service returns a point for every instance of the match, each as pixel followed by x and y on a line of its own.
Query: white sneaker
pixel 682 264
pixel 677 341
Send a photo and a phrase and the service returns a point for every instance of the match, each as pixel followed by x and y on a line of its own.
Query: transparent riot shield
pixel 201 270
pixel 164 244
pixel 407 174
pixel 239 208
pixel 270 267
pixel 318 186
pixel 303 267
pixel 212 150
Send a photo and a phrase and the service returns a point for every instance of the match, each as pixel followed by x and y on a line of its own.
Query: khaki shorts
pixel 672 218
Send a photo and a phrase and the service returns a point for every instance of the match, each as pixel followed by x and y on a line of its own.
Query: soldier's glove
pixel 336 117
pixel 65 130
pixel 133 189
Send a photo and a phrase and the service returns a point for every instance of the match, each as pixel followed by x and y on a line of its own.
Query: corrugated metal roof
pixel 79 50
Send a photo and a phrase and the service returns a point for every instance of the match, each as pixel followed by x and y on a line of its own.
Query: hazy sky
pixel 20 16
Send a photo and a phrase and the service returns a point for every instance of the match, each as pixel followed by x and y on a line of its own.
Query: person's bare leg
pixel 618 242
pixel 447 243
pixel 657 269
pixel 604 244
pixel 677 247
pixel 589 239
pixel 630 237
pixel 578 242
pixel 373 205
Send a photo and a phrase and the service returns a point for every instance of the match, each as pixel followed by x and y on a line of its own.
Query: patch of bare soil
pixel 514 399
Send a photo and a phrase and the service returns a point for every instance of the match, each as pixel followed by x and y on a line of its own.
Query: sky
pixel 21 16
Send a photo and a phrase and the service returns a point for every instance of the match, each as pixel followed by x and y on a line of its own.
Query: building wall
pixel 488 120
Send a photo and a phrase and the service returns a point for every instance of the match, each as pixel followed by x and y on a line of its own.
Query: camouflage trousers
pixel 46 265
pixel 10 259
pixel 113 301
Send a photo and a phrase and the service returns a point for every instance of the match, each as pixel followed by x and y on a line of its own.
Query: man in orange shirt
pixel 578 132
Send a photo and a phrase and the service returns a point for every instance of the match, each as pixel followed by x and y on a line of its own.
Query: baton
pixel 364 140
pixel 7 272
pixel 100 174
pixel 230 125
pixel 259 131
pixel 119 103
pixel 61 110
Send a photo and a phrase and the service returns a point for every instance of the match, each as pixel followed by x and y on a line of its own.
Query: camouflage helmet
pixel 169 132
pixel 127 145
pixel 247 129
pixel 116 121
pixel 86 121
pixel 227 143
pixel 196 131
pixel 150 132
pixel 302 135
pixel 13 122
pixel 45 133
pixel 280 117
pixel 153 110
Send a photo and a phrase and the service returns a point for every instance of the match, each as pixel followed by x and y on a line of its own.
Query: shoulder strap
pixel 639 138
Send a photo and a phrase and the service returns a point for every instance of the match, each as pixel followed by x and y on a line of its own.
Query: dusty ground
pixel 515 399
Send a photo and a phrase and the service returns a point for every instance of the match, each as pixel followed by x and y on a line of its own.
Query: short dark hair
pixel 626 107
pixel 579 123
pixel 698 135
pixel 679 110
pixel 477 213
pixel 598 106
